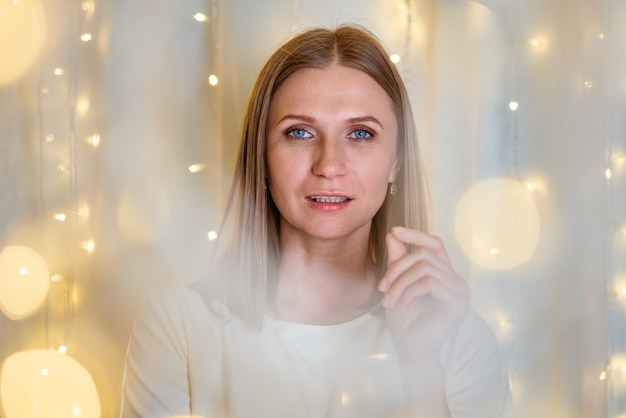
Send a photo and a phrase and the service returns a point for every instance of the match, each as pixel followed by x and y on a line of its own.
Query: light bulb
pixel 60 217
pixel 49 138
pixel 212 235
pixel 513 105
pixel 194 168
pixel 93 140
pixel 395 58
pixel 56 278
pixel 63 349
pixel 213 80
pixel 88 246
pixel 200 17
pixel 608 173
pixel 588 84
pixel 85 37
pixel 59 71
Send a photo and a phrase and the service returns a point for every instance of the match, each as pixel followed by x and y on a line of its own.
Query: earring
pixel 393 188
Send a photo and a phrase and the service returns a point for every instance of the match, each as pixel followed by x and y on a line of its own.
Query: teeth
pixel 329 199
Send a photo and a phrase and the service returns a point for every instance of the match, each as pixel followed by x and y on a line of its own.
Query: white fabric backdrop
pixel 560 316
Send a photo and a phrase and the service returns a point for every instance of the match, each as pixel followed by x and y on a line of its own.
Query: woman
pixel 327 298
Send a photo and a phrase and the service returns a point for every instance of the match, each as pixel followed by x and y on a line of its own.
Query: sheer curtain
pixel 116 152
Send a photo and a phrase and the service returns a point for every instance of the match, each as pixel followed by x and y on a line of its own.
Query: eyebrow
pixel 310 119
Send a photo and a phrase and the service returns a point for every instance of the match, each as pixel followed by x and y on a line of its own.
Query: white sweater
pixel 185 360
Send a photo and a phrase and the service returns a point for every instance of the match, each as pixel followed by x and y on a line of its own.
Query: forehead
pixel 336 87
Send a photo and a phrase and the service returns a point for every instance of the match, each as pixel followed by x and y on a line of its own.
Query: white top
pixel 183 359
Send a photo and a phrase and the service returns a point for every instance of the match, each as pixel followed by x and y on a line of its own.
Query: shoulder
pixel 177 309
pixel 477 376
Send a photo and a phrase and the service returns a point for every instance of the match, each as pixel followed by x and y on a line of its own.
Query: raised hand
pixel 425 298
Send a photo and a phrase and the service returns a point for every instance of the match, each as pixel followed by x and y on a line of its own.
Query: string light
pixel 63 349
pixel 608 174
pixel 88 246
pixel 93 140
pixel 588 84
pixel 194 168
pixel 395 58
pixel 60 217
pixel 213 80
pixel 200 17
pixel 59 71
pixel 212 235
pixel 513 105
pixel 49 138
pixel 82 106
pixel 85 37
pixel 56 278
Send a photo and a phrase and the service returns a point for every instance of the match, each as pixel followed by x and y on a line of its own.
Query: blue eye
pixel 361 134
pixel 299 133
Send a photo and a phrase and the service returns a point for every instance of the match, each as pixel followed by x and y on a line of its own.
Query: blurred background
pixel 119 121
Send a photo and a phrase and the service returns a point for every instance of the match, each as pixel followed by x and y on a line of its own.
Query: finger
pixel 443 285
pixel 418 272
pixel 395 251
pixel 418 255
pixel 395 248
pixel 420 239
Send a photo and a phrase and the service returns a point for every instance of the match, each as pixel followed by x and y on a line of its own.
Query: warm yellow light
pixel 497 223
pixel 395 58
pixel 93 140
pixel 61 168
pixel 536 42
pixel 49 138
pixel 83 211
pixel 529 186
pixel 379 357
pixel 56 278
pixel 213 80
pixel 82 106
pixel 601 36
pixel 88 246
pixel 63 349
pixel 212 235
pixel 194 168
pixel 59 71
pixel 60 217
pixel 588 84
pixel 200 17
pixel 24 281
pixel 53 383
pixel 513 105
pixel 608 173
pixel 22 37
pixel 603 375
pixel 85 37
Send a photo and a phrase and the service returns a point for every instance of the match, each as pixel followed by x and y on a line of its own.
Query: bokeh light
pixel 497 223
pixel 24 281
pixel 45 383
pixel 22 35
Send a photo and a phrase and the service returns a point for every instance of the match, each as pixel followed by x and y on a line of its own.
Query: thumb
pixel 395 248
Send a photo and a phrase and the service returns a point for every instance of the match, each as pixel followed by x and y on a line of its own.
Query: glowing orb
pixel 22 35
pixel 497 223
pixel 45 383
pixel 24 281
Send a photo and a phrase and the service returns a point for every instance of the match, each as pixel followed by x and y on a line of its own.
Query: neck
pixel 325 282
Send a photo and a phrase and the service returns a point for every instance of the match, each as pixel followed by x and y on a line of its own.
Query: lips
pixel 328 202
pixel 328 199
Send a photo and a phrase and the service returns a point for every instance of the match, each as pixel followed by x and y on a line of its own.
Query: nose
pixel 329 159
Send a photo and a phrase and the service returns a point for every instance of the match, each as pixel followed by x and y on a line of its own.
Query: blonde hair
pixel 249 239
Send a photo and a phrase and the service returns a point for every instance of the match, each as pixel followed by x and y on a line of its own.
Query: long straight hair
pixel 244 267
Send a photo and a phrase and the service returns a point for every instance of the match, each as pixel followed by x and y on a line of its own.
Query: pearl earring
pixel 393 188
